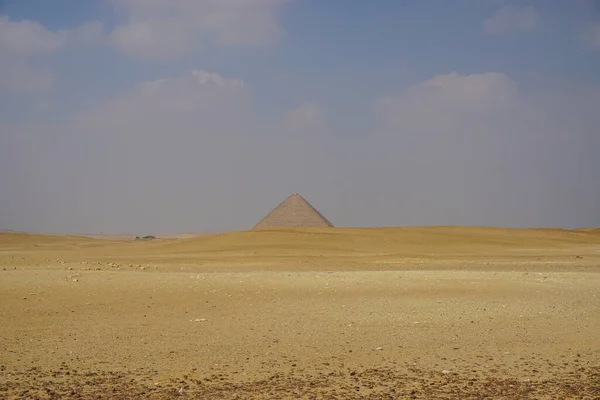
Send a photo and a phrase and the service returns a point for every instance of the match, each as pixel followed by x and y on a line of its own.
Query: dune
pixel 25 239
pixel 589 230
pixel 314 247
pixel 392 240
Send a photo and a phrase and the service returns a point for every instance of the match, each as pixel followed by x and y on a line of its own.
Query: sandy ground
pixel 303 313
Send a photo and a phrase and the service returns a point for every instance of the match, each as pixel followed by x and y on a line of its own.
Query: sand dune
pixel 316 248
pixel 396 239
pixel 369 238
pixel 29 239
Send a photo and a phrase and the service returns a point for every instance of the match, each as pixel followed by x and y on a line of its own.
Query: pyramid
pixel 294 211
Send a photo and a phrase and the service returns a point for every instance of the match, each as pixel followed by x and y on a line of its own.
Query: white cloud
pixel 197 100
pixel 168 29
pixel 510 19
pixel 308 116
pixel 448 100
pixel 21 42
pixel 28 38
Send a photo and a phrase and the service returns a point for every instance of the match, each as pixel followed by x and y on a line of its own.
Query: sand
pixel 436 312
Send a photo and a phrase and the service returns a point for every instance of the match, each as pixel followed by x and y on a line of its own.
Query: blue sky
pixel 380 113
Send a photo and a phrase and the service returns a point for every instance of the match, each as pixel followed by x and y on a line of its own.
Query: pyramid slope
pixel 294 211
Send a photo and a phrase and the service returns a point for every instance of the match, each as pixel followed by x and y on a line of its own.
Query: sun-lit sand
pixel 414 312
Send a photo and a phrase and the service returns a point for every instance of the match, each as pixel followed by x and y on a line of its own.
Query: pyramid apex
pixel 294 211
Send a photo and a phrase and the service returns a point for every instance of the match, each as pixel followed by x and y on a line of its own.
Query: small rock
pixel 379 348
pixel 445 372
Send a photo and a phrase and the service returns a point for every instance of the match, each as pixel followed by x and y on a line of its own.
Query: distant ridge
pixel 294 211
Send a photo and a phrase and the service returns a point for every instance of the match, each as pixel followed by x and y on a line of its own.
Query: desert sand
pixel 327 313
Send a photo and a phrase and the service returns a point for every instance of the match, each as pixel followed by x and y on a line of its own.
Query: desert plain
pixel 303 313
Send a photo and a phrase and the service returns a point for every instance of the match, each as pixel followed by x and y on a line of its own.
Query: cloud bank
pixel 188 153
pixel 172 29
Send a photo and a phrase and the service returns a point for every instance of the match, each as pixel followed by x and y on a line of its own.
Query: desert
pixel 303 312
pixel 449 151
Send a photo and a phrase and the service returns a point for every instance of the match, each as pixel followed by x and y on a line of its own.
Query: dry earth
pixel 382 313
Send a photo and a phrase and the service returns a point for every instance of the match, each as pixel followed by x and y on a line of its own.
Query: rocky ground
pixel 382 383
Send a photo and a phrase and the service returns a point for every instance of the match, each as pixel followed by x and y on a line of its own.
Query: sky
pixel 172 116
